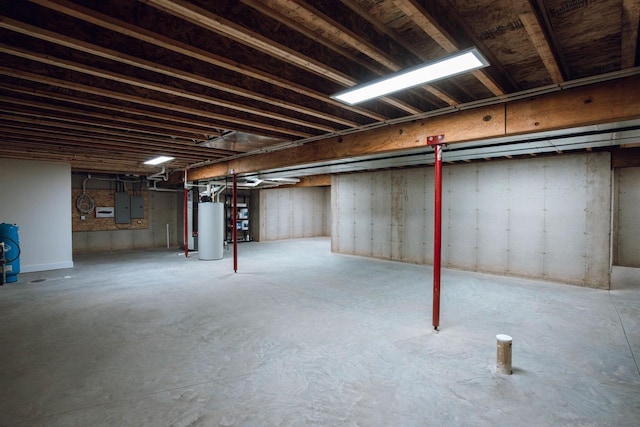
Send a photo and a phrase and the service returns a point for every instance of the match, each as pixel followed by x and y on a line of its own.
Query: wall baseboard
pixel 45 267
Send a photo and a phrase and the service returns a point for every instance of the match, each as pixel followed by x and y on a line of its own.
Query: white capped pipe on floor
pixel 503 356
pixel 167 236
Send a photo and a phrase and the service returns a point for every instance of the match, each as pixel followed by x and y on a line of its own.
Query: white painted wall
pixel 37 197
pixel 627 239
pixel 547 218
pixel 288 213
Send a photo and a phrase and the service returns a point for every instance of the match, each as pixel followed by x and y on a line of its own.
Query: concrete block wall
pixel 627 219
pixel 296 212
pixel 545 218
pixel 162 210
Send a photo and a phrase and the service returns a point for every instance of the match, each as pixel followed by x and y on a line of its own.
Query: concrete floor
pixel 301 336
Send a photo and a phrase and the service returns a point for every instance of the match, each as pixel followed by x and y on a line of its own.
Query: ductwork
pixel 162 175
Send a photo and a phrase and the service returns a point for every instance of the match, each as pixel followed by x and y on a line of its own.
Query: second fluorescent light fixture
pixel 458 63
pixel 158 160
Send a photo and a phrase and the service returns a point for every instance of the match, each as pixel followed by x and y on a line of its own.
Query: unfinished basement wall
pixel 161 209
pixel 295 212
pixel 545 218
pixel 627 220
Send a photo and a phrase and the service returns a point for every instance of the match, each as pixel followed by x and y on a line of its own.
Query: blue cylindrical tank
pixel 9 235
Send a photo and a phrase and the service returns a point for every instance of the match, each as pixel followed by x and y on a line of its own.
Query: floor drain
pixel 37 280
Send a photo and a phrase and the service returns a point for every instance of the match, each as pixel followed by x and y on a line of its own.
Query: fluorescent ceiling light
pixel 458 63
pixel 158 160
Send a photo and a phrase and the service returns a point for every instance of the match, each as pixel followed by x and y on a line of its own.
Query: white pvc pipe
pixel 503 354
pixel 167 236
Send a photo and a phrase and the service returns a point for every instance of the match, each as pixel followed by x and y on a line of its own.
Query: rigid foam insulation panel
pixel 459 206
pixel 546 218
pixel 363 215
pixel 526 221
pixel 627 214
pixel 413 216
pixel 344 208
pixel 326 230
pixel 493 214
pixel 381 217
pixel 288 213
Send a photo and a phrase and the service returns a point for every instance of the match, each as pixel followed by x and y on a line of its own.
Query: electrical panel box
pixel 137 207
pixel 123 208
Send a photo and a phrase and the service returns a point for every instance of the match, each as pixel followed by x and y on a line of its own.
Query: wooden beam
pixel 201 127
pixel 92 132
pixel 112 55
pixel 608 102
pixel 545 23
pixel 401 41
pixel 217 24
pixel 45 132
pixel 630 22
pixel 314 181
pixel 598 103
pixel 332 34
pixel 539 40
pixel 305 16
pixel 429 25
pixel 253 128
pixel 166 89
pixel 122 27
pixel 62 113
pixel 108 125
pixel 625 157
pixel 78 161
pixel 462 126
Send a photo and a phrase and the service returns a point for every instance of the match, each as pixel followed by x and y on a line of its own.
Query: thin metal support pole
pixel 185 214
pixel 437 236
pixel 186 222
pixel 234 216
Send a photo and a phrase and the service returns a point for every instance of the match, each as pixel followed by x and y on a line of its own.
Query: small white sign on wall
pixel 105 212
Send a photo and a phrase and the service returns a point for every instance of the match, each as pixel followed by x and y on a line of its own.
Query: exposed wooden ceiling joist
pixel 74 66
pixel 531 24
pixel 218 81
pixel 332 34
pixel 144 101
pixel 112 55
pixel 196 126
pixel 159 40
pixel 218 24
pixel 630 22
pixel 422 18
pixel 142 125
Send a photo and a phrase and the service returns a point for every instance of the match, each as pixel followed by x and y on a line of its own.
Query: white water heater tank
pixel 210 231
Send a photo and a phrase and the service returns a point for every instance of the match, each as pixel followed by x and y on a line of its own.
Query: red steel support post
pixel 234 216
pixel 186 222
pixel 437 236
pixel 437 141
